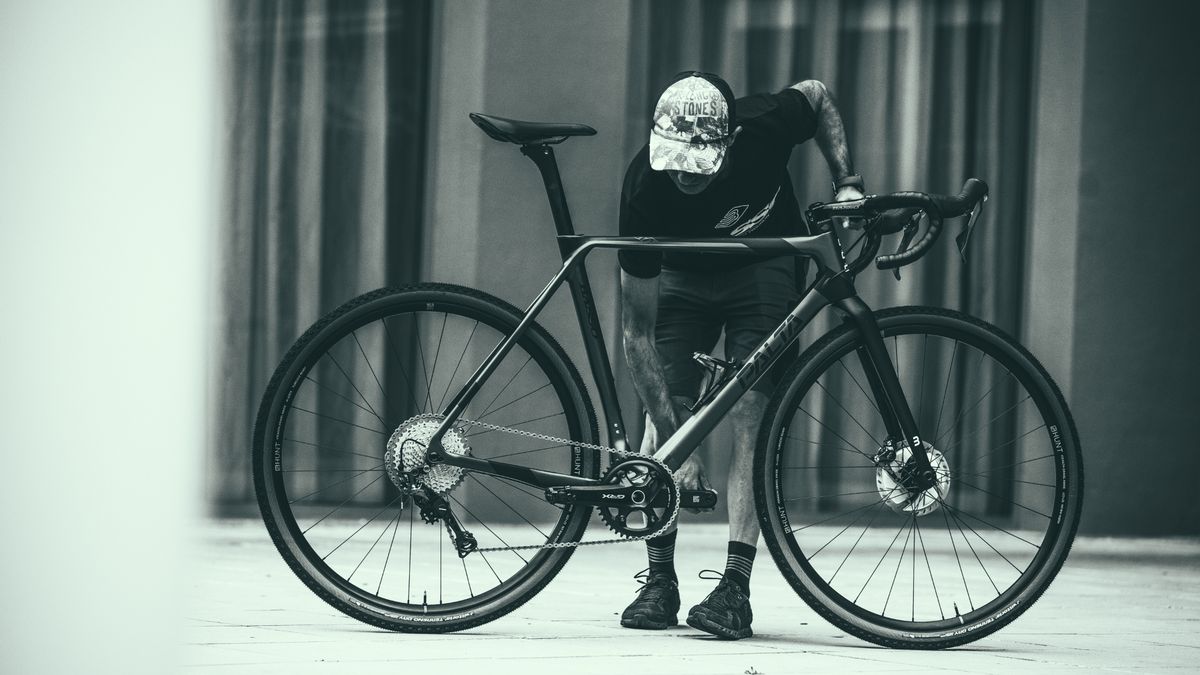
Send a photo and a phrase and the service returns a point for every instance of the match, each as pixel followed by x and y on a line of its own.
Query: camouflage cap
pixel 691 124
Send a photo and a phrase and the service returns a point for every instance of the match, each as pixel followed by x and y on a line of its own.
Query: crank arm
pixel 600 495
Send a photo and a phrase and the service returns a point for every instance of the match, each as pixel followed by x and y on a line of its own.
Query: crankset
pixel 636 498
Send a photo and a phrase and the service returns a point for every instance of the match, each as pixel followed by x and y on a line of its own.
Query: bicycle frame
pixel 834 286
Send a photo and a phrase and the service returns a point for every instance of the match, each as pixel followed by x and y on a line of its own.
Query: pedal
pixel 699 500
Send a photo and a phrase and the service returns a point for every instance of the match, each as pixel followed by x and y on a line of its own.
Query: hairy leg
pixel 746 417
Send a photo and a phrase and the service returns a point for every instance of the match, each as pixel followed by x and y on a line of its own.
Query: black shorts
pixel 693 308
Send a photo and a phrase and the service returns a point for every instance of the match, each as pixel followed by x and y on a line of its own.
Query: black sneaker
pixel 724 613
pixel 657 604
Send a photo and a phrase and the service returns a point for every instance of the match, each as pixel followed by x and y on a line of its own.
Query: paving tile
pixel 1118 606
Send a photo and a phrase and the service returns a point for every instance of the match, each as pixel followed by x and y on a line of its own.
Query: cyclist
pixel 714 167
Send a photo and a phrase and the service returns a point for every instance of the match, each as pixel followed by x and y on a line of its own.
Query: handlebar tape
pixel 937 207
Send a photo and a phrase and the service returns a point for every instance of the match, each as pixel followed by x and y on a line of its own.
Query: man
pixel 714 167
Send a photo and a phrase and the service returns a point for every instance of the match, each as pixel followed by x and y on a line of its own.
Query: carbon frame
pixel 833 286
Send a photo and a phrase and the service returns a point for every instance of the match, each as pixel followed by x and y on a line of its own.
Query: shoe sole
pixel 644 622
pixel 700 621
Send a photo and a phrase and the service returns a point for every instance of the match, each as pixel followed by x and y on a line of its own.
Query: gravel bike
pixel 426 458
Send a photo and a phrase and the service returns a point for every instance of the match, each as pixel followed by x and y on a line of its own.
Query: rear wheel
pixel 364 386
pixel 958 561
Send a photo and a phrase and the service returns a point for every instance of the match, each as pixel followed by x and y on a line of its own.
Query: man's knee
pixel 749 410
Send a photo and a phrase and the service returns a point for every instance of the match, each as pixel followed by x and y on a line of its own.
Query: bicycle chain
pixel 589 446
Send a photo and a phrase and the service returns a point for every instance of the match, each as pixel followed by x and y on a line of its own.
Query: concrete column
pixel 1112 283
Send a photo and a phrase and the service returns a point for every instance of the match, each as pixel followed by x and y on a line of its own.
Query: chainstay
pixel 589 446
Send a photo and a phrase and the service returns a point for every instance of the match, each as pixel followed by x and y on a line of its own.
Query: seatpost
pixel 543 156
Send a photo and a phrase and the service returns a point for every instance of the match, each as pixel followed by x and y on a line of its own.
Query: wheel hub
pixel 405 456
pixel 895 481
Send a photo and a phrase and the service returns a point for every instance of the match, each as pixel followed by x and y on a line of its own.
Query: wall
pixel 106 246
pixel 1113 288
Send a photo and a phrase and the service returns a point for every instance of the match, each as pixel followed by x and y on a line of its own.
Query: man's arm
pixel 639 310
pixel 831 134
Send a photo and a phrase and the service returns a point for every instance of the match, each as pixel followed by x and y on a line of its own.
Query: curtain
pixel 930 92
pixel 323 190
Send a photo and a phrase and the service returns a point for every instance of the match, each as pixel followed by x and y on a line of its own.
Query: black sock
pixel 739 563
pixel 662 554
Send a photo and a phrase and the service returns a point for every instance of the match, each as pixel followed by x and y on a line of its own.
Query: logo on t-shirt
pixel 732 217
pixel 758 219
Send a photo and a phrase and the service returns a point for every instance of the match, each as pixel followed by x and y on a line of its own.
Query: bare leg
pixel 650 445
pixel 746 417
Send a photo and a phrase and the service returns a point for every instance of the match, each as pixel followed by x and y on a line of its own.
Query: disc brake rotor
pixel 405 456
pixel 890 480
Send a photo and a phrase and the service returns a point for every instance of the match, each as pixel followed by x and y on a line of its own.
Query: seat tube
pixel 581 293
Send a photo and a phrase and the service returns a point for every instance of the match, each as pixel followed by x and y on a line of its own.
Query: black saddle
pixel 525 133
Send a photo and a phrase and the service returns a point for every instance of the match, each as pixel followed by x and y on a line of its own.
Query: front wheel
pixel 942 567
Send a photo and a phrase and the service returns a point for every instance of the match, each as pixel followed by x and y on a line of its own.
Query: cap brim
pixel 671 155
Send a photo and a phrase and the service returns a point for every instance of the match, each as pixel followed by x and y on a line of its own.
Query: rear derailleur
pixel 434 508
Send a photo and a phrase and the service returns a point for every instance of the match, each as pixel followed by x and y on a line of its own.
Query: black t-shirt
pixel 753 198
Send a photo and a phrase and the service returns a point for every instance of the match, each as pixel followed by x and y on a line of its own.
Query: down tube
pixel 687 438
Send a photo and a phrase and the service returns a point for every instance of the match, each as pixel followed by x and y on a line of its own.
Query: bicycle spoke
pixel 946 389
pixel 899 562
pixel 353 386
pixel 827 447
pixel 339 506
pixel 381 533
pixel 879 509
pixel 870 399
pixel 957 559
pixel 331 450
pixel 490 530
pixel 1005 499
pixel 344 480
pixel 856 448
pixel 360 529
pixel 506 386
pixel 436 355
pixel 424 371
pixel 526 452
pixel 878 564
pixel 335 419
pixel 412 390
pixel 515 400
pixel 374 376
pixel 344 398
pixel 852 417
pixel 929 568
pixel 985 425
pixel 509 506
pixel 391 545
pixel 973 406
pixel 457 365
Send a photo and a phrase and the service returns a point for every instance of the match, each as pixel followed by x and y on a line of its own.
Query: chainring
pixel 638 518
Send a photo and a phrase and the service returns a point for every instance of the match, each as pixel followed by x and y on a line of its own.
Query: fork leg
pixel 885 385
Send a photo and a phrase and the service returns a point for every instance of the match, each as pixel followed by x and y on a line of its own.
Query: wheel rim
pixel 330 495
pixel 989 540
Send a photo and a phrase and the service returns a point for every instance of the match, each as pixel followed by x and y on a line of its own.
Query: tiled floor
pixel 1119 605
